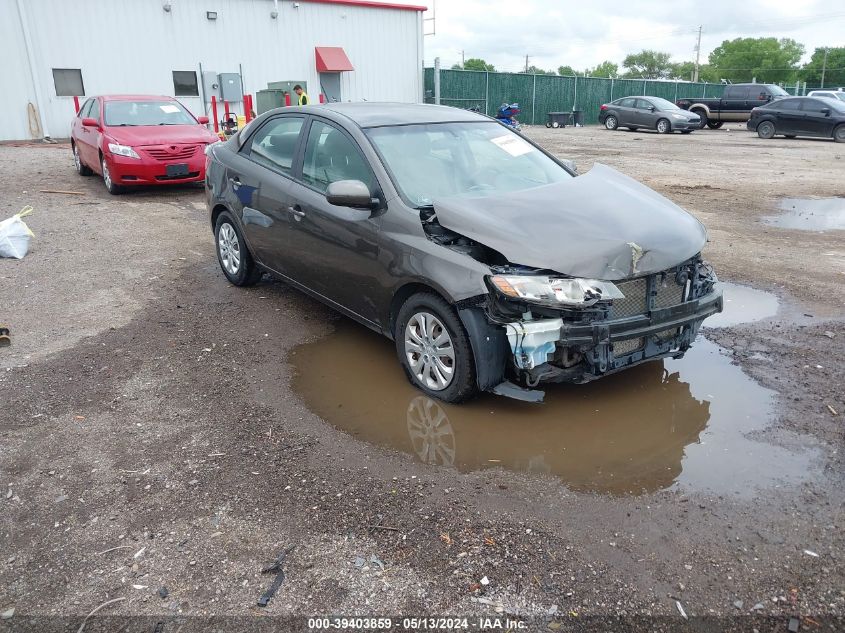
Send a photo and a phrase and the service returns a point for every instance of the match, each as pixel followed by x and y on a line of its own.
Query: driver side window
pixel 331 156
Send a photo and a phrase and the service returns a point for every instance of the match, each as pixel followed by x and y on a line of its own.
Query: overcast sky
pixel 582 33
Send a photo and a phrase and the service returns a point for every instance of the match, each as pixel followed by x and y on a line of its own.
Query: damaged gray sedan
pixel 489 262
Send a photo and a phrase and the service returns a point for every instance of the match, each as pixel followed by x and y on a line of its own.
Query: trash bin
pixel 578 118
pixel 557 119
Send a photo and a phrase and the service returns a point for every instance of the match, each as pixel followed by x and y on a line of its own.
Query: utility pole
pixel 697 55
pixel 526 63
pixel 824 66
pixel 463 60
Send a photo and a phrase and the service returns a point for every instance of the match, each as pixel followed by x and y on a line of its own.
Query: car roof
pixel 370 114
pixel 136 98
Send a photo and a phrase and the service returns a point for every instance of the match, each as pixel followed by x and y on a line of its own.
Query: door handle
pixel 297 211
pixel 235 182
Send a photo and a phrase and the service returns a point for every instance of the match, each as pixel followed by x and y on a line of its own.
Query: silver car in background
pixel 653 113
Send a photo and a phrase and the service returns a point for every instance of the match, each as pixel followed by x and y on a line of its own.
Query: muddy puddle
pixel 674 423
pixel 819 214
pixel 743 304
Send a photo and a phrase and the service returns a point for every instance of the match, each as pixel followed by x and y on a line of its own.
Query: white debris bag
pixel 15 235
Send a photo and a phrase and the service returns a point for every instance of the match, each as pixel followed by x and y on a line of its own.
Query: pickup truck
pixel 735 104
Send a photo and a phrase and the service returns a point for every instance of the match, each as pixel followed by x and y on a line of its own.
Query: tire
pixel 839 134
pixel 232 253
pixel 421 324
pixel 686 131
pixel 555 124
pixel 765 129
pixel 715 125
pixel 611 122
pixel 112 188
pixel 81 168
pixel 548 124
pixel 701 115
pixel 663 126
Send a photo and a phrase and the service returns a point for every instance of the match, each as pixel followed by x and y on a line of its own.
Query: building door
pixel 330 86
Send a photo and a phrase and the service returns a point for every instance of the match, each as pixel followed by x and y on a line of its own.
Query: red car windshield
pixel 136 113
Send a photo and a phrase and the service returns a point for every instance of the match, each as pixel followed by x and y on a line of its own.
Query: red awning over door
pixel 332 59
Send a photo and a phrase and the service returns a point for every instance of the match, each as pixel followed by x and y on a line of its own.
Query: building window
pixel 68 82
pixel 185 83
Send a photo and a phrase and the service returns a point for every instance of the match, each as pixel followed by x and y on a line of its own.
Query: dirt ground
pixel 150 438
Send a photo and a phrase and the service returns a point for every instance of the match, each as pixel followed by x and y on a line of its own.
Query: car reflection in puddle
pixel 682 423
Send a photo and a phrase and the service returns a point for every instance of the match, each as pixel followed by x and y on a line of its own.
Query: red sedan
pixel 139 140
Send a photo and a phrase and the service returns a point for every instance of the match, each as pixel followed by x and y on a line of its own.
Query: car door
pixel 87 138
pixel 733 103
pixel 646 114
pixel 789 119
pixel 816 117
pixel 259 177
pixel 336 249
pixel 625 109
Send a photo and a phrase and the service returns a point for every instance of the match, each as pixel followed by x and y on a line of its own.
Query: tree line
pixel 766 59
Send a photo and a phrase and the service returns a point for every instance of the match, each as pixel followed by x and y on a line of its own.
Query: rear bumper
pixel 132 171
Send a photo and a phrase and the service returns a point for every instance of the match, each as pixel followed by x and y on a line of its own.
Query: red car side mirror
pixel 203 120
pixel 90 122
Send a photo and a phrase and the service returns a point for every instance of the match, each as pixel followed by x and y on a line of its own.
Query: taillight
pixel 603 107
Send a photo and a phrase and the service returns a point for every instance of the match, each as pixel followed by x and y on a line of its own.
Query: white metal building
pixel 54 49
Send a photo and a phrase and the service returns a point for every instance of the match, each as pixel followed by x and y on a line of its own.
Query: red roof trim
pixel 331 59
pixel 373 4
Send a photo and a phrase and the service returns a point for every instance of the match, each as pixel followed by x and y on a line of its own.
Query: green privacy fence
pixel 539 94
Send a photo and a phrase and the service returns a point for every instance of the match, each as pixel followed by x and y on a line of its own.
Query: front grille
pixel 669 293
pixel 621 348
pixel 166 153
pixel 666 335
pixel 635 301
pixel 666 291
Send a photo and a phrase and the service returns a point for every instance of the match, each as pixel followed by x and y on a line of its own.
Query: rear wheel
pixel 112 188
pixel 663 126
pixel 715 125
pixel 765 129
pixel 839 134
pixel 611 122
pixel 434 349
pixel 81 168
pixel 232 253
pixel 702 115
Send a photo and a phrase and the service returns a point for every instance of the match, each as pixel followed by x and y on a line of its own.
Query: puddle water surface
pixel 821 214
pixel 743 304
pixel 681 423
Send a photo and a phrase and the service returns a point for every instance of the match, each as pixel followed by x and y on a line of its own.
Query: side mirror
pixel 651 108
pixel 90 122
pixel 350 193
pixel 203 120
pixel 570 164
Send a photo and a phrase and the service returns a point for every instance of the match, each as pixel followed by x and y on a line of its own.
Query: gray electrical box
pixel 287 86
pixel 210 84
pixel 230 87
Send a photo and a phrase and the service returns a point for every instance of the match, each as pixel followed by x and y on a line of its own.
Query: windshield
pixel 778 91
pixel 436 160
pixel 119 113
pixel 662 104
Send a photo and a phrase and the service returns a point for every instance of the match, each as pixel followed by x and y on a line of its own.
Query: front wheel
pixel 715 125
pixel 234 257
pixel 611 122
pixel 766 129
pixel 663 126
pixel 112 188
pixel 434 349
pixel 839 134
pixel 702 116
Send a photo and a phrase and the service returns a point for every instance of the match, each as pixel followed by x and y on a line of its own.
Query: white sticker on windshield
pixel 170 109
pixel 513 145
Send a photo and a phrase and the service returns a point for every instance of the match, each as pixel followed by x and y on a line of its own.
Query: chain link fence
pixel 538 95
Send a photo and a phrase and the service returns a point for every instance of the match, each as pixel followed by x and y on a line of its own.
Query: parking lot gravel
pixel 150 438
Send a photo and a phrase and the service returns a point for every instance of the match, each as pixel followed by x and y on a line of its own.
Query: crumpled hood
pixel 602 225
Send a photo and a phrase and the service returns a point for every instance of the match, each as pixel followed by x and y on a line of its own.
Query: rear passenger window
pixel 627 103
pixel 787 104
pixel 330 156
pixel 275 143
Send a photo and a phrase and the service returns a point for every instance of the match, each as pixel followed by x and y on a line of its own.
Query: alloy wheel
pixel 230 248
pixel 76 159
pixel 429 351
pixel 106 175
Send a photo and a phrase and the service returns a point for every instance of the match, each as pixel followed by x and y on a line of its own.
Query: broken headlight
pixel 551 291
